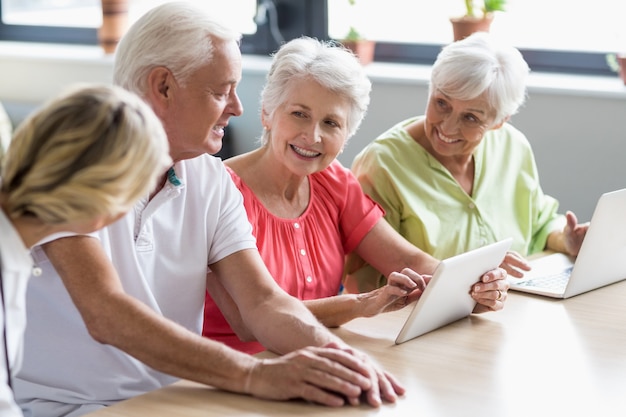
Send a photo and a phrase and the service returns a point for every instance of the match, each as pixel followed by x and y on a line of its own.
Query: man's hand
pixel 329 375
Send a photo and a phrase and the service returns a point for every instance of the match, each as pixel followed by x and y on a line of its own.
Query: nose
pixel 312 133
pixel 449 124
pixel 235 107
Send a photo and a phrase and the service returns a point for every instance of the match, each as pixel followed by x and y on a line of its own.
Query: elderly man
pixel 138 286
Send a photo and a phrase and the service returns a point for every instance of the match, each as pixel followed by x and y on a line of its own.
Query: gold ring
pixel 499 297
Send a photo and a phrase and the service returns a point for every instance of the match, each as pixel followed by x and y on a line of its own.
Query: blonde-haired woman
pixel 74 166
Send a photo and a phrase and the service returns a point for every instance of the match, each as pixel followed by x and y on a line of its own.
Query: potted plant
pixel 617 63
pixel 114 24
pixel 477 18
pixel 361 47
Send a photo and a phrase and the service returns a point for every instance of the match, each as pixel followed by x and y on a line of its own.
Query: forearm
pixel 166 346
pixel 387 251
pixel 422 262
pixel 280 322
pixel 402 255
pixel 335 311
pixel 292 326
pixel 112 317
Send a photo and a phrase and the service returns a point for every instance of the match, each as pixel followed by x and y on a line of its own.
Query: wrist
pixel 247 388
pixel 367 305
pixel 556 241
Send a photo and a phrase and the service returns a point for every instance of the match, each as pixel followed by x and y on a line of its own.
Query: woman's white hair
pixel 175 35
pixel 330 64
pixel 479 64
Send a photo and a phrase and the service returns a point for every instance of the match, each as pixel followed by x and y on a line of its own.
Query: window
pixel 76 21
pixel 554 35
pixel 47 20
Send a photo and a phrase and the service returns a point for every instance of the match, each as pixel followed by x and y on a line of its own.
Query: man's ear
pixel 160 83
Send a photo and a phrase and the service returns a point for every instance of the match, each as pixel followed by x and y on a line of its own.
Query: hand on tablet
pixel 491 292
pixel 402 289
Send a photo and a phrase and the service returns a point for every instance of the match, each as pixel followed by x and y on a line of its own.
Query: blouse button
pixel 302 252
pixel 309 279
pixel 471 206
pixel 296 225
pixel 36 271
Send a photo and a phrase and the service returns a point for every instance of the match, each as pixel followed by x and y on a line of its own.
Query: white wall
pixel 577 125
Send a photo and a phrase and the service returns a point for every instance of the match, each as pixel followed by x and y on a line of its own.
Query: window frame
pixel 47 34
pixel 309 17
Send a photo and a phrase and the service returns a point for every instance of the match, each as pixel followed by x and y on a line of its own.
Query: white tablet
pixel 447 296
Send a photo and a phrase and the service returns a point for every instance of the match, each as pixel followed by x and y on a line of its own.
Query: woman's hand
pixel 573 234
pixel 491 292
pixel 402 289
pixel 514 264
pixel 570 239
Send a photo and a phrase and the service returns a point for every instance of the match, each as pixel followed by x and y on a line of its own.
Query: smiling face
pixel 454 128
pixel 197 113
pixel 309 129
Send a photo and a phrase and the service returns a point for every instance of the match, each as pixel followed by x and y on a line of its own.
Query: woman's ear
pixel 499 125
pixel 265 119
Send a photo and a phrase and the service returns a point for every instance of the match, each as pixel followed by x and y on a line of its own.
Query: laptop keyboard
pixel 554 282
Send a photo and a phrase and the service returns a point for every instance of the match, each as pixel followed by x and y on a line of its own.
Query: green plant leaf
pixel 611 61
pixel 353 34
pixel 490 6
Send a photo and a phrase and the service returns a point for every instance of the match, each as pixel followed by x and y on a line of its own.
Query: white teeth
pixel 446 139
pixel 304 152
pixel 219 129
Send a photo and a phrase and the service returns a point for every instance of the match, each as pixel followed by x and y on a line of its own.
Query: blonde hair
pixel 92 151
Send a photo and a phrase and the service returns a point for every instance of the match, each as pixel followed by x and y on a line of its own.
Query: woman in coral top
pixel 308 211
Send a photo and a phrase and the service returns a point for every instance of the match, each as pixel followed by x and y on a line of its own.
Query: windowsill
pixel 386 73
pixel 542 83
pixel 55 53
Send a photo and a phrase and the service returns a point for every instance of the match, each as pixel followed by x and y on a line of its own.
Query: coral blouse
pixel 305 255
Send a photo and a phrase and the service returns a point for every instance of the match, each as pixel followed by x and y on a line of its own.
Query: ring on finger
pixel 499 297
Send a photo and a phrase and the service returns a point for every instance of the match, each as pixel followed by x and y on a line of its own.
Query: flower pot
pixel 114 24
pixel 363 49
pixel 464 26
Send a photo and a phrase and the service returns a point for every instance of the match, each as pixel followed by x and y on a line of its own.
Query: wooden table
pixel 537 357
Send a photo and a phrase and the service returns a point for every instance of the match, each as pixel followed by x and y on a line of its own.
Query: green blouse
pixel 427 206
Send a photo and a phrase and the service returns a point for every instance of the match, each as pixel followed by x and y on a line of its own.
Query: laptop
pixel 600 262
pixel 447 296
